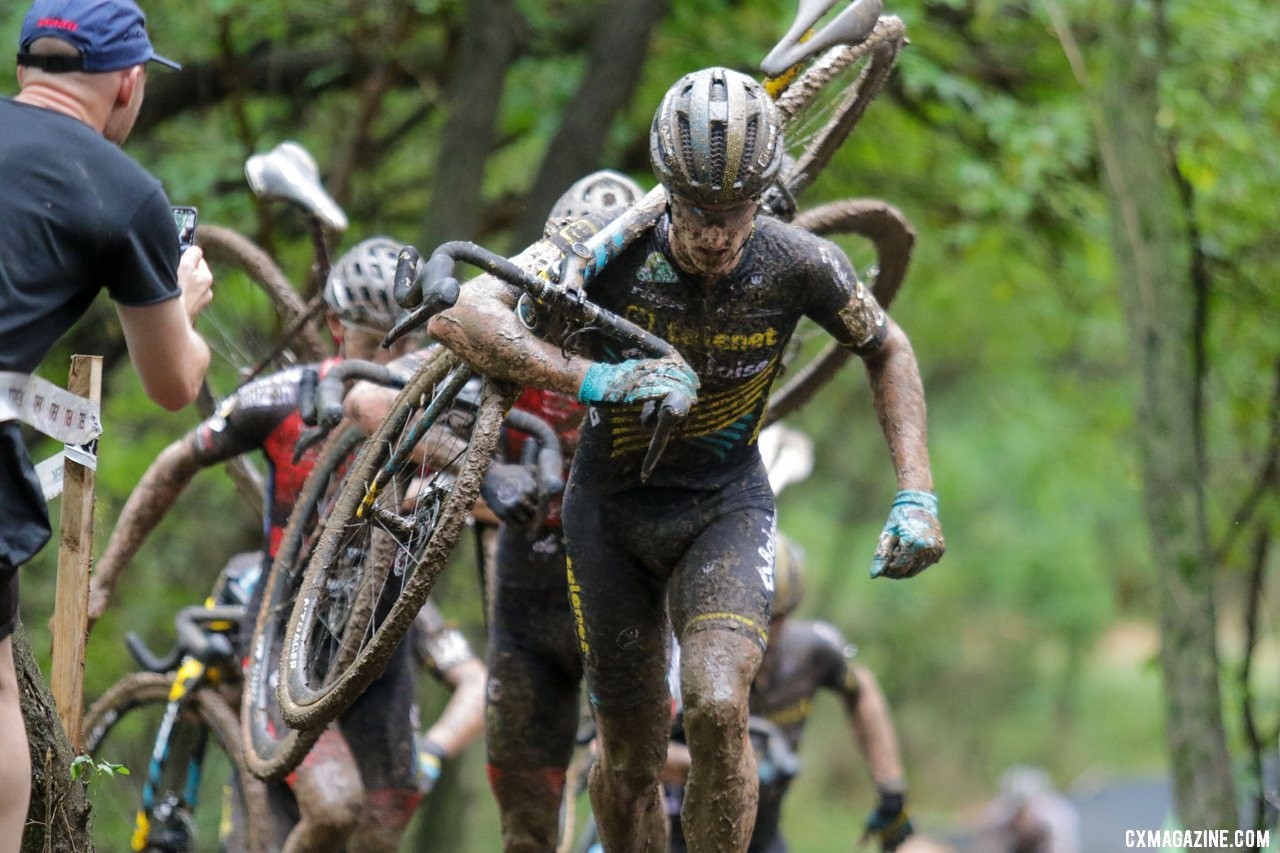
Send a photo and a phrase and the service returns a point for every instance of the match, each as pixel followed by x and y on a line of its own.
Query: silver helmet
pixel 716 139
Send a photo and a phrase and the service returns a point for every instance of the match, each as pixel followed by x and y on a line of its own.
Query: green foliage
pixel 83 763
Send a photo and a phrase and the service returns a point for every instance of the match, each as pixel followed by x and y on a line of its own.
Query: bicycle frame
pixel 201 665
pixel 190 676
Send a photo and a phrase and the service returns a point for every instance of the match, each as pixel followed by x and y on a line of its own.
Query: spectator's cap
pixel 109 34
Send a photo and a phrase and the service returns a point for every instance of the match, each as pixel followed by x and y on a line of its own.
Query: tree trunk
pixel 613 70
pixel 475 93
pixel 58 820
pixel 1153 266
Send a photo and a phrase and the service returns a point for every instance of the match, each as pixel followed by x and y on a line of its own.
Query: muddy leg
pixel 720 799
pixel 330 797
pixel 625 794
pixel 529 806
pixel 387 812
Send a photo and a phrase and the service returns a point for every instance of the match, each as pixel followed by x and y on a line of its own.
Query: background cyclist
pixel 726 287
pixel 365 782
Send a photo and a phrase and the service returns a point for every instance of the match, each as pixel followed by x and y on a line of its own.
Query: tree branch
pixel 612 72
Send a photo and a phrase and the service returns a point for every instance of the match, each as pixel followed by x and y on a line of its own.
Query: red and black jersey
pixel 564 414
pixel 263 415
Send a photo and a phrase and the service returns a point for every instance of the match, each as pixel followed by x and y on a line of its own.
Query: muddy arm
pixel 899 402
pixel 868 713
pixel 367 404
pixel 462 720
pixel 155 493
pixel 483 330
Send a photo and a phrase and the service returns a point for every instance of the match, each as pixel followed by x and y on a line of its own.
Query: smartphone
pixel 185 219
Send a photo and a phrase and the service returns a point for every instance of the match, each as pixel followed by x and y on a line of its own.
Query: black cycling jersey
pixel 802 658
pixel 732 333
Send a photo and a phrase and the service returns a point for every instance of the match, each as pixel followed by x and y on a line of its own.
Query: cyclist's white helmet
pixel 361 284
pixel 604 193
pixel 716 139
pixel 788 578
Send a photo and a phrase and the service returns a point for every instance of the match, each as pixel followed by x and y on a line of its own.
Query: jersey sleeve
pixel 841 303
pixel 244 421
pixel 832 656
pixel 438 645
pixel 142 268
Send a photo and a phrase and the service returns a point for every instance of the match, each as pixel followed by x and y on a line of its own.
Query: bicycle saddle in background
pixel 851 26
pixel 289 173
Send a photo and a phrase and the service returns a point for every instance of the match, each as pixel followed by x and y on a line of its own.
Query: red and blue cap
pixel 110 35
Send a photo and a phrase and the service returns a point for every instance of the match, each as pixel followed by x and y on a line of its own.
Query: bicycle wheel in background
pixel 202 779
pixel 272 747
pixel 388 537
pixel 253 308
pixel 878 239
pixel 824 104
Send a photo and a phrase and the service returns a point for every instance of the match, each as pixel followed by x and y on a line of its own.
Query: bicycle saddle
pixel 851 26
pixel 287 172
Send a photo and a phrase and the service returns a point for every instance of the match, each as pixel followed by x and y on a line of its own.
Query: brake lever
pixel 308 439
pixel 671 411
pixel 307 396
pixel 426 292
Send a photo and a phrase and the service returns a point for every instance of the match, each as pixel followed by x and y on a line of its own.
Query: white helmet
pixel 604 193
pixel 361 284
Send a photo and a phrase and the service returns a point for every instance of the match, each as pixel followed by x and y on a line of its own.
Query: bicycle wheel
pixel 198 790
pixel 824 104
pixel 868 230
pixel 254 308
pixel 272 747
pixel 388 537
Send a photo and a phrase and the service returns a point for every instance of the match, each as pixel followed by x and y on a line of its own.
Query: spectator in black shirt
pixel 77 215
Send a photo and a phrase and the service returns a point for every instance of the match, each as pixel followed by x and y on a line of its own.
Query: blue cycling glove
pixel 912 538
pixel 637 380
pixel 430 762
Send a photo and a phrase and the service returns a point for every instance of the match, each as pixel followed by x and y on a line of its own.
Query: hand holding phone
pixel 185 219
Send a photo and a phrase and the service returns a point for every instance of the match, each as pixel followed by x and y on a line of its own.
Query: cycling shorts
pixel 707 555
pixel 379 727
pixel 534 668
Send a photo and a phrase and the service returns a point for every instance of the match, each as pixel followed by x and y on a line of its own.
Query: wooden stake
pixel 75 548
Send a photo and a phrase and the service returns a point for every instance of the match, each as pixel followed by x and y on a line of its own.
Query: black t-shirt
pixel 733 334
pixel 76 215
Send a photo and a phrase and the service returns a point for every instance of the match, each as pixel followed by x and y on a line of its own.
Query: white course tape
pixel 50 473
pixel 54 411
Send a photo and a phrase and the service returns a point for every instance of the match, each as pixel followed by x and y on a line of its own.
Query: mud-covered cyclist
pixel 726 286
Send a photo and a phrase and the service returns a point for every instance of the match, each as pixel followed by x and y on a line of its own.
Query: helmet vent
pixel 719 153
pixel 686 141
pixel 749 152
